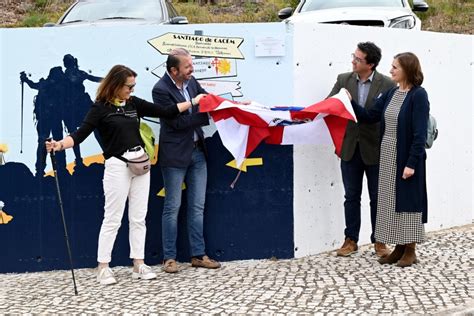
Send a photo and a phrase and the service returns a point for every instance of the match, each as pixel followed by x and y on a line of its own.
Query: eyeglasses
pixel 357 59
pixel 130 86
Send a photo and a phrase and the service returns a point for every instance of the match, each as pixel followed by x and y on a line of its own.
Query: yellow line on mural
pixel 162 191
pixel 87 161
pixel 249 162
pixel 99 158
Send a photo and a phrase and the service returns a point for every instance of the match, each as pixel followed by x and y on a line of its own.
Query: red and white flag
pixel 243 127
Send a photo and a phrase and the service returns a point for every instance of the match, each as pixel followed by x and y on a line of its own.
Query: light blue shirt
pixel 363 88
pixel 185 93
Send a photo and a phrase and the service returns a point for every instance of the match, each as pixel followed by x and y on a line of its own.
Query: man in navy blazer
pixel 182 156
pixel 361 145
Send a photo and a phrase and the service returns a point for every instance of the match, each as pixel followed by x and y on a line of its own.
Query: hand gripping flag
pixel 243 127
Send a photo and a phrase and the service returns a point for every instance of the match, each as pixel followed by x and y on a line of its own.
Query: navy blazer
pixel 412 126
pixel 176 142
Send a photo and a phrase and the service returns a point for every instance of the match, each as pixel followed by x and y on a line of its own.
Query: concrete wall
pixel 323 51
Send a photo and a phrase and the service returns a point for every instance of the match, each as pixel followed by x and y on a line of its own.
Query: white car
pixel 120 11
pixel 382 13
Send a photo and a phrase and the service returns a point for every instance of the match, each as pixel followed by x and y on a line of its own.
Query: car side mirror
pixel 420 6
pixel 49 24
pixel 285 13
pixel 179 20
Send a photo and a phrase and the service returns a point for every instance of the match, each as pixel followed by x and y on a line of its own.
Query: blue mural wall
pixel 48 81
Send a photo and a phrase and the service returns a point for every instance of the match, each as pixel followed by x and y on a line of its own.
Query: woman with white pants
pixel 116 114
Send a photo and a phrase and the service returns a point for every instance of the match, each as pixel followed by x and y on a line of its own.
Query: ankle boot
pixel 394 256
pixel 409 256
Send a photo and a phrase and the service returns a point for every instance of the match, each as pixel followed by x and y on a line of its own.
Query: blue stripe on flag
pixel 287 108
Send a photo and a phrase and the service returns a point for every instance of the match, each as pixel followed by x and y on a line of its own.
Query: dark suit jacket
pixel 177 135
pixel 367 135
pixel 412 124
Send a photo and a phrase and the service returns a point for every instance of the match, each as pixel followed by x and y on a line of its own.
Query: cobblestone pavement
pixel 442 283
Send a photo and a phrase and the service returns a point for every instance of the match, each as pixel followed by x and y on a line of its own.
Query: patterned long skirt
pixel 394 227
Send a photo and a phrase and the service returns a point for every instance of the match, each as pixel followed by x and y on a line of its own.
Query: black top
pixel 119 126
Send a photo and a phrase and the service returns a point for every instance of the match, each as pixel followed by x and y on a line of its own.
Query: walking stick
pixel 22 94
pixel 53 161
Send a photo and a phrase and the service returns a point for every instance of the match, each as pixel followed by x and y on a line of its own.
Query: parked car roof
pixel 120 11
pixel 383 13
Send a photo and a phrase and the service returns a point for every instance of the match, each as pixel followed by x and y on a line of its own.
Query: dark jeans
pixel 195 176
pixel 352 177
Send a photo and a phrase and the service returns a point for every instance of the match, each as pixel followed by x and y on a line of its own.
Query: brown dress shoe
pixel 409 256
pixel 170 266
pixel 381 249
pixel 394 256
pixel 205 262
pixel 348 248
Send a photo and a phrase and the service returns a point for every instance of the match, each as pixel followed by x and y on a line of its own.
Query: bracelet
pixel 62 146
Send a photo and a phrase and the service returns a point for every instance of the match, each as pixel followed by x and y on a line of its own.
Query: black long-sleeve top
pixel 119 126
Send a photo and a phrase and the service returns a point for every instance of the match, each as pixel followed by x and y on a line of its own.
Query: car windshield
pixel 94 10
pixel 312 5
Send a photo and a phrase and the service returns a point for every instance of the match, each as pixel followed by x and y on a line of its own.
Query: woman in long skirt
pixel 402 200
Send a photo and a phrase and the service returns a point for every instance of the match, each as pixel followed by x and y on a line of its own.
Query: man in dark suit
pixel 361 146
pixel 182 156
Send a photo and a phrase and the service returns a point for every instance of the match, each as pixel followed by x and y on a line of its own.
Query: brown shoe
pixel 409 256
pixel 348 248
pixel 394 256
pixel 170 266
pixel 381 249
pixel 206 262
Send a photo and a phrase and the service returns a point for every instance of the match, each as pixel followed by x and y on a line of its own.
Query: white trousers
pixel 119 184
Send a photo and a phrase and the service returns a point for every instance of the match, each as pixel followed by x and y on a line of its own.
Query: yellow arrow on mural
pixel 199 45
pixel 162 191
pixel 5 218
pixel 248 162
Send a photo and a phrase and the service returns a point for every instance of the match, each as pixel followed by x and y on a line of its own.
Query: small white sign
pixel 269 46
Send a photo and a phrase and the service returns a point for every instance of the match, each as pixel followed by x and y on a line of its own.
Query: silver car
pixel 382 13
pixel 113 11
